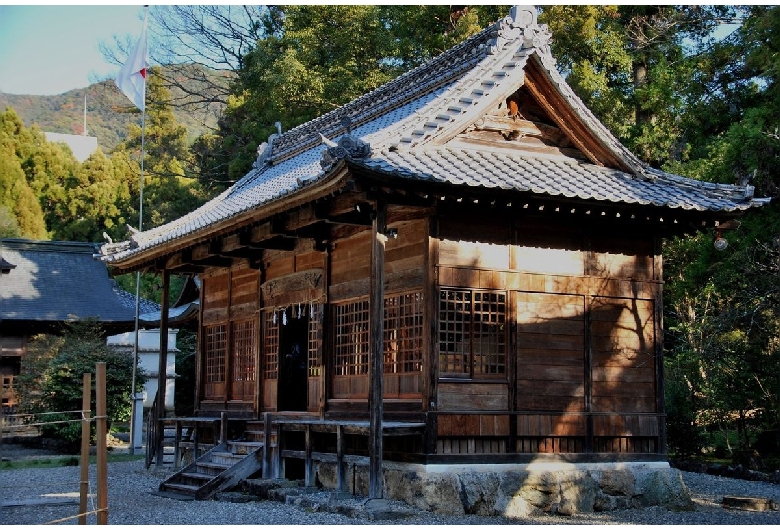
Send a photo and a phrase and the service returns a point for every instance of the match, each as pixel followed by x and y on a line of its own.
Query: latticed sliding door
pixel 403 346
pixel 244 354
pixel 270 369
pixel 215 354
pixel 351 348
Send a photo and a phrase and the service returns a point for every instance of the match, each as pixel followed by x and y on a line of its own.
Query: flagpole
pixel 133 414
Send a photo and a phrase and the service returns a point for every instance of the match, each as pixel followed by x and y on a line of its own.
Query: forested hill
pixel 108 113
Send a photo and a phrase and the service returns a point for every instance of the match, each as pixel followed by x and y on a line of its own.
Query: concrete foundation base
pixel 520 490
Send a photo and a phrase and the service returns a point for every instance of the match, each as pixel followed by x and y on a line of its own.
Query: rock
pixel 662 487
pixel 478 493
pixel 262 487
pixel 617 482
pixel 383 510
pixel 521 493
pixel 753 504
pixel 518 508
pixel 578 493
pixel 235 496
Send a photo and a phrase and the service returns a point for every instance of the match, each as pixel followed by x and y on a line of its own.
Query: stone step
pixel 752 504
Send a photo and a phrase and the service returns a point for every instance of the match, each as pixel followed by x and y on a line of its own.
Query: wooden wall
pixel 581 329
pixel 229 341
pixel 293 283
pixel 350 275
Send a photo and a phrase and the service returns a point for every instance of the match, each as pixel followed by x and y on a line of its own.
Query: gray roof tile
pixel 58 281
pixel 408 122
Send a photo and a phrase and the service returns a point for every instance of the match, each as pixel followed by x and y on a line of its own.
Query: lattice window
pixel 489 333
pixel 351 339
pixel 244 349
pixel 403 333
pixel 472 333
pixel 216 350
pixel 270 346
pixel 315 351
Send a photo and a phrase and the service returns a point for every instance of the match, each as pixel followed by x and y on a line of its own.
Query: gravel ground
pixel 130 502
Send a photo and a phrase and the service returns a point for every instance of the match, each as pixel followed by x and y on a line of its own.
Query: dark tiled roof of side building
pixel 61 281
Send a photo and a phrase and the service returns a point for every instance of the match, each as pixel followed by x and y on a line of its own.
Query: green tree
pixel 16 144
pixel 9 227
pixel 51 379
pixel 170 190
pixel 314 59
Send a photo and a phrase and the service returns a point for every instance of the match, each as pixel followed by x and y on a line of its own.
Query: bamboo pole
pixel 102 453
pixel 85 413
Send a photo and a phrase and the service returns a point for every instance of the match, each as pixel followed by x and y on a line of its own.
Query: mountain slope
pixel 109 113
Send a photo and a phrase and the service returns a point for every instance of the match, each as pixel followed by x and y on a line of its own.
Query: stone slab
pixel 752 504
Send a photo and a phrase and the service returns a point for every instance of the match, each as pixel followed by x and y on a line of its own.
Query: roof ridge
pixel 40 245
pixel 414 83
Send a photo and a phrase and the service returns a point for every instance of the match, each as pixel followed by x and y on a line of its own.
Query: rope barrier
pixel 54 422
pixel 41 413
pixel 18 486
pixel 77 516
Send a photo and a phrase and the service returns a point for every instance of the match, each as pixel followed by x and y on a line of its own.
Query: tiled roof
pixel 409 122
pixel 58 281
pixel 555 177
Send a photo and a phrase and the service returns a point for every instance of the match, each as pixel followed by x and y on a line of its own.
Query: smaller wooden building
pixel 466 250
pixel 52 284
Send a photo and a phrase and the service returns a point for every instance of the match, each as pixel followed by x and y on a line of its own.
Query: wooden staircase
pixel 221 468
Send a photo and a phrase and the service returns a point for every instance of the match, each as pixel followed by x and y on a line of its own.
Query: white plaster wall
pixel 149 360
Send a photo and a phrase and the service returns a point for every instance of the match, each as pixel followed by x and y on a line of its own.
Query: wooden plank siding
pixel 583 336
pixel 560 322
pixel 350 275
pixel 230 340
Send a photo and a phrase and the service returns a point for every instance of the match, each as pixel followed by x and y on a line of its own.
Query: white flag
pixel 132 77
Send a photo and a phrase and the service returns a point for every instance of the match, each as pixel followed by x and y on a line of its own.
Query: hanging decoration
pixel 274 317
pixel 311 310
pixel 284 317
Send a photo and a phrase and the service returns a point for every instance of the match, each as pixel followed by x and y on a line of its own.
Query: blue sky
pixel 50 49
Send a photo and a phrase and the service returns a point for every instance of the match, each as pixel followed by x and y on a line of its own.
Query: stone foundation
pixel 522 490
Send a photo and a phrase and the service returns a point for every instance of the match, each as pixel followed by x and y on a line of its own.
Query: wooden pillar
pixel 377 307
pixel 162 374
pixel 101 423
pixel 341 471
pixel 267 449
pixel 431 337
pixel 658 336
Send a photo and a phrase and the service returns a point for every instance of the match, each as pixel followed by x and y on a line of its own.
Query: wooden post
pixel 86 406
pixel 267 445
pixel 102 453
pixel 341 472
pixel 278 460
pixel 223 427
pixel 309 464
pixel 176 446
pixel 377 307
pixel 162 374
pixel 660 406
pixel 431 340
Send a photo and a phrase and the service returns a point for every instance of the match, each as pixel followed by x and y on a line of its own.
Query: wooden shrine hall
pixel 460 267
